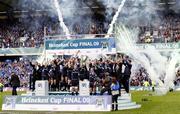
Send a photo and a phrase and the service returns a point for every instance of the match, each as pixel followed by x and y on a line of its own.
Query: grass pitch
pixel 167 104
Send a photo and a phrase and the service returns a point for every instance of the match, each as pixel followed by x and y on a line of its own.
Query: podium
pixel 84 88
pixel 41 88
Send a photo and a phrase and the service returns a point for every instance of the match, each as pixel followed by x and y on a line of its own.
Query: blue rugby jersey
pixel 115 88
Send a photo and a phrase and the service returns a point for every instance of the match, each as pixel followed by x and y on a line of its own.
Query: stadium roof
pixel 15 6
pixel 6 5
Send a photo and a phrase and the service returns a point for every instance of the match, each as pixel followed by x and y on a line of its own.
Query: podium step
pixel 121 98
pixel 124 96
pixel 129 107
pixel 123 101
pixel 126 104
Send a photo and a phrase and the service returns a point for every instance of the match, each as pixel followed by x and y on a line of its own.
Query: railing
pixel 40 43
pixel 80 36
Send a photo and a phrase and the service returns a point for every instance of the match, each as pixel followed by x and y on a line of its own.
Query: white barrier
pixel 57 103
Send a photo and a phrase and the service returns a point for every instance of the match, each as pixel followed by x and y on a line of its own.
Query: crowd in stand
pixel 20 67
pixel 167 31
pixel 139 77
pixel 21 34
pixel 18 34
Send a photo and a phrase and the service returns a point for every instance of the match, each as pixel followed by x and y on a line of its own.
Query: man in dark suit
pixel 57 74
pixel 126 73
pixel 36 73
pixel 117 68
pixel 15 82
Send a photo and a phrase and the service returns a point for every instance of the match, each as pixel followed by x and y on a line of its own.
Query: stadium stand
pixel 18 34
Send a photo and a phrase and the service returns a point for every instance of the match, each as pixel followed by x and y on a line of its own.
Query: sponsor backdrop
pixel 96 45
pixel 57 103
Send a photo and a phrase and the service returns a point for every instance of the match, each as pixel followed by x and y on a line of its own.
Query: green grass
pixel 167 104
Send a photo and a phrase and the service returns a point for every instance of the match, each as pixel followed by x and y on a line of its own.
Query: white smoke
pixel 171 70
pixel 140 12
pixel 158 66
pixel 54 9
pixel 61 20
pixel 126 44
pixel 111 26
pixel 68 12
pixel 132 12
pixel 175 6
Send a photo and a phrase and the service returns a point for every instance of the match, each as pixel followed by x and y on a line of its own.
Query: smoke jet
pixel 60 17
pixel 111 26
pixel 161 69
